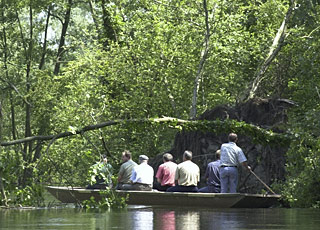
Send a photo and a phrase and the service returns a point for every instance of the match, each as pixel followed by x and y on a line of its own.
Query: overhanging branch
pixel 60 135
pixel 258 134
pixel 88 128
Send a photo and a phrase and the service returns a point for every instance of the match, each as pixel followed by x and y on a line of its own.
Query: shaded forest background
pixel 67 64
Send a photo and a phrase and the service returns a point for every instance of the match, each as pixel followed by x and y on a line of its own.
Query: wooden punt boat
pixel 212 200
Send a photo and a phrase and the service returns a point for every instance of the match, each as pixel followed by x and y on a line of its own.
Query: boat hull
pixel 212 200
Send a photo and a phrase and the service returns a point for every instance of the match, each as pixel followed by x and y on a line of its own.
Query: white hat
pixel 143 157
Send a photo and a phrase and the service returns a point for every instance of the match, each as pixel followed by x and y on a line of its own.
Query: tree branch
pixel 15 89
pixel 88 128
pixel 57 17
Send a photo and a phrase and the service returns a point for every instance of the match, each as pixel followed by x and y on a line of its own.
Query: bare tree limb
pixel 309 35
pixel 204 54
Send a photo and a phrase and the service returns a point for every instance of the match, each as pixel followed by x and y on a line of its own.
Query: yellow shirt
pixel 187 174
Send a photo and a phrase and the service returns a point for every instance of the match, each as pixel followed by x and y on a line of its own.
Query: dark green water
pixel 142 217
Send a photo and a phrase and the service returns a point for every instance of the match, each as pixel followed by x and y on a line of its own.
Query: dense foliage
pixel 66 64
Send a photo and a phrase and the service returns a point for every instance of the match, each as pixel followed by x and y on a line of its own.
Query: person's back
pixel 188 173
pixel 166 173
pixel 126 171
pixel 231 154
pixel 213 176
pixel 143 174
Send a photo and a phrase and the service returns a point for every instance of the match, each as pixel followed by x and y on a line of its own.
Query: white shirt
pixel 143 174
pixel 231 154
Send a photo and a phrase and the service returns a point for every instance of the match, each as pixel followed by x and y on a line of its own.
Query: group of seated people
pixel 221 175
pixel 171 177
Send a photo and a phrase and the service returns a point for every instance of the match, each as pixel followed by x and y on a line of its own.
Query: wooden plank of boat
pixel 213 200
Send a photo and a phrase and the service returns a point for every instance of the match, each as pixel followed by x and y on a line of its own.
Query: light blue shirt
pixel 143 174
pixel 231 154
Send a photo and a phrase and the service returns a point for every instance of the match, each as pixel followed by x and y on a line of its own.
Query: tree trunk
pixel 13 118
pixel 61 48
pixel 3 194
pixel 27 150
pixel 276 46
pixel 107 25
pixel 204 54
pixel 44 48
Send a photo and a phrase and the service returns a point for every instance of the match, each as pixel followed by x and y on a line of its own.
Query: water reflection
pixel 189 220
pixel 165 220
pixel 161 218
pixel 142 220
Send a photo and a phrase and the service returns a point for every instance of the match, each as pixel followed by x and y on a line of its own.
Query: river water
pixel 147 217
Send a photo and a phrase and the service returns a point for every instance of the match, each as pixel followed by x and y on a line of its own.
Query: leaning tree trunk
pixel 274 49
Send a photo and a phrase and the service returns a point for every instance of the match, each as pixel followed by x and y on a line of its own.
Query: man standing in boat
pixel 126 168
pixel 142 176
pixel 231 157
pixel 187 175
pixel 212 176
pixel 166 173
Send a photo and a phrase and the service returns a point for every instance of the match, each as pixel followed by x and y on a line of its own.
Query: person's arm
pixel 245 164
pixel 206 176
pixel 242 158
pixel 159 174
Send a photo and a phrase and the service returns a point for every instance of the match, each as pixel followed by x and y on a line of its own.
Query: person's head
pixel 167 157
pixel 232 137
pixel 143 158
pixel 187 155
pixel 218 154
pixel 126 155
pixel 104 158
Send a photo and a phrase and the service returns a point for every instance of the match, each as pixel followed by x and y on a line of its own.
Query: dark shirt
pixel 212 173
